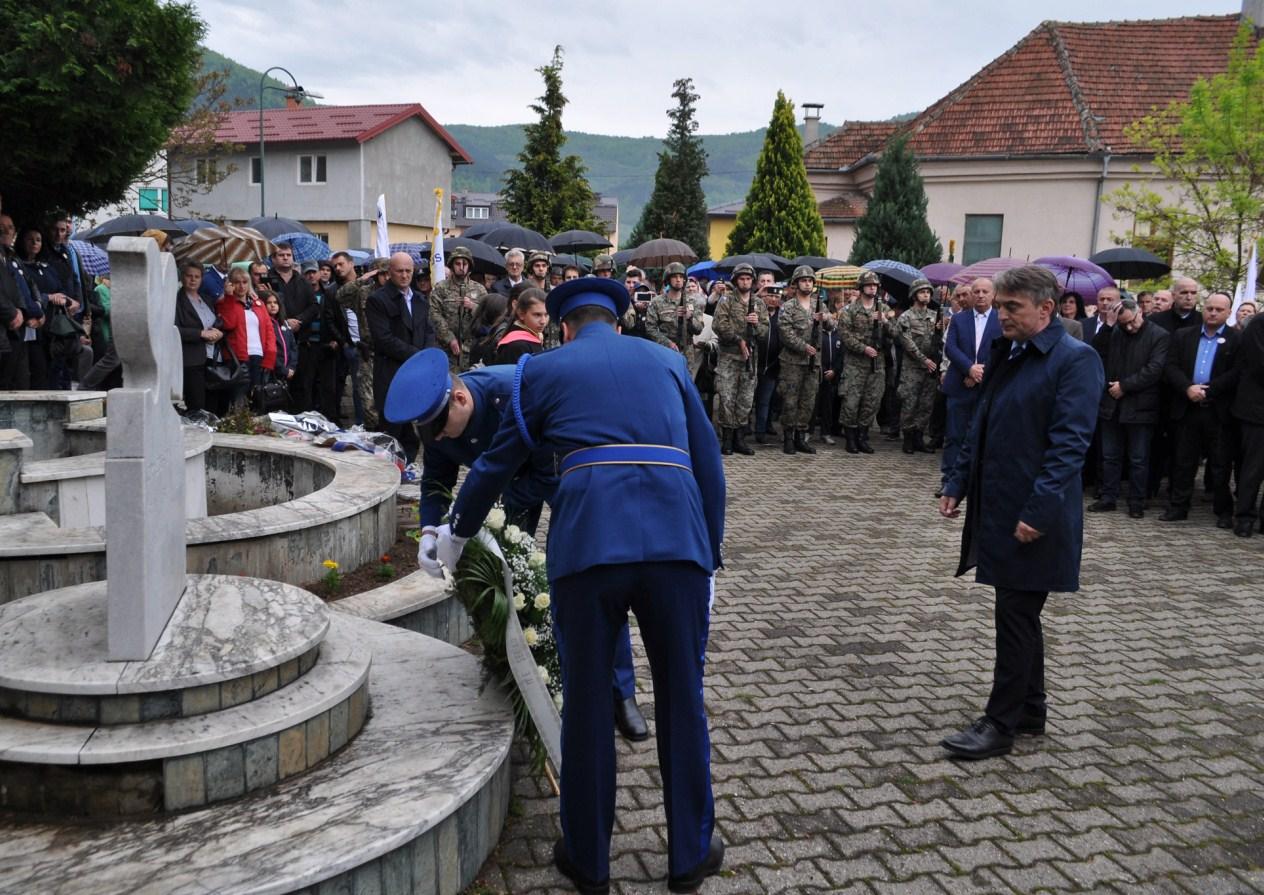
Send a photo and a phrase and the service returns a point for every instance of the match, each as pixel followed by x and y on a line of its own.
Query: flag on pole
pixel 1246 292
pixel 438 271
pixel 383 249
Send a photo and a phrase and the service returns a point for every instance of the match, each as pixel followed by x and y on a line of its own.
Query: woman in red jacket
pixel 251 336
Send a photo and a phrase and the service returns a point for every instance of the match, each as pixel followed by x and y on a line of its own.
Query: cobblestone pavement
pixel 842 650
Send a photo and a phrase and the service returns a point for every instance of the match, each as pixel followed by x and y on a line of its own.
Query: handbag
pixel 269 397
pixel 224 372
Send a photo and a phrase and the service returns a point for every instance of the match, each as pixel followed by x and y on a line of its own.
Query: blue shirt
pixel 1206 357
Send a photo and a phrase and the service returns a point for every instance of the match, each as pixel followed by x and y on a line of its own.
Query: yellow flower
pixel 330 564
pixel 531 636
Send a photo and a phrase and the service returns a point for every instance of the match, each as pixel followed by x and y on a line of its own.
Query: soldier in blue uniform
pixel 636 523
pixel 456 417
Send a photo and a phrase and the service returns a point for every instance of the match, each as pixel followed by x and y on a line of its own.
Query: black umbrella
pixel 1127 263
pixel 571 261
pixel 486 259
pixel 132 225
pixel 621 257
pixel 578 241
pixel 661 252
pixel 275 226
pixel 475 231
pixel 194 225
pixel 757 260
pixel 511 236
pixel 816 262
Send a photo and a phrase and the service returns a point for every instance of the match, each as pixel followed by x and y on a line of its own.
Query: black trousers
pixel 195 388
pixel 1018 682
pixel 303 385
pixel 1250 472
pixel 1200 433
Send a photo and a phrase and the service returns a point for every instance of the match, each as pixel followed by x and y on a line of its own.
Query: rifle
pixel 680 324
pixel 816 333
pixel 876 336
pixel 750 331
pixel 937 340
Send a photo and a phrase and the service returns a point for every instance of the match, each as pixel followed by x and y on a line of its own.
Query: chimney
pixel 812 120
pixel 1253 12
pixel 293 101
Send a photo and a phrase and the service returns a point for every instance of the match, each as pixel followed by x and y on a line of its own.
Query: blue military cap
pixel 601 291
pixel 420 391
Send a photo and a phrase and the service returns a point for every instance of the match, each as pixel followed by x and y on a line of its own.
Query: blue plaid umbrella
pixel 95 259
pixel 418 251
pixel 306 247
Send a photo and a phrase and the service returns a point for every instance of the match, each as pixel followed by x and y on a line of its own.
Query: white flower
pixel 531 636
pixel 537 560
pixel 496 519
pixel 520 602
pixel 525 538
pixel 542 601
pixel 543 672
pixel 557 701
pixel 511 534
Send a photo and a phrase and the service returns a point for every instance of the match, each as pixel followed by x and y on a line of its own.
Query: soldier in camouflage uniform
pixel 454 306
pixel 740 323
pixel 919 370
pixel 352 295
pixel 797 383
pixel 862 323
pixel 663 319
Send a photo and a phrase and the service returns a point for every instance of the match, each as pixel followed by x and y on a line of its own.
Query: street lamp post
pixel 295 89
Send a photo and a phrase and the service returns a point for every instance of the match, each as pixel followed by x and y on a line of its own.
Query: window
pixel 151 198
pixel 204 171
pixel 323 237
pixel 311 169
pixel 983 237
pixel 256 170
pixel 477 212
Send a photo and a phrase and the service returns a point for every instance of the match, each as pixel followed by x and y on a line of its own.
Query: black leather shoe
pixel 564 866
pixel 1244 528
pixel 939 492
pixel 1171 514
pixel 1224 522
pixel 982 739
pixel 1031 726
pixel 629 720
pixel 1102 506
pixel 1136 513
pixel 761 438
pixel 710 866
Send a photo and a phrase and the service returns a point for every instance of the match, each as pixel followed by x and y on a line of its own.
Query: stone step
pixel 416 602
pixel 415 804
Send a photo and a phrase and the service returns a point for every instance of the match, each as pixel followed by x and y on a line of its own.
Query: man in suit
pixel 302 311
pixel 967 345
pixel 1200 371
pixel 399 321
pixel 625 421
pixel 514 262
pixel 1181 314
pixel 1183 311
pixel 1020 467
pixel 1248 410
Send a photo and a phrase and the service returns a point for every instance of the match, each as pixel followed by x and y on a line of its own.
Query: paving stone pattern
pixel 842 650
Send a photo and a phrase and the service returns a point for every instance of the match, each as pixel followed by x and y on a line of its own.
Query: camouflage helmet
pixel 744 269
pixel 918 285
pixel 537 256
pixel 866 277
pixel 673 269
pixel 461 252
pixel 801 272
pixel 603 262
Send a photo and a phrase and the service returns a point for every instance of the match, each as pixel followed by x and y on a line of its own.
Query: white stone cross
pixel 144 455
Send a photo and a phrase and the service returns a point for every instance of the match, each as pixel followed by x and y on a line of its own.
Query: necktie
pixel 1016 349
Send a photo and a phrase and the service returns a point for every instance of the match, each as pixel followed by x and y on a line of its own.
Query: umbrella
pixel 359 256
pixel 661 252
pixel 1077 275
pixel 475 231
pixel 941 274
pixel 511 236
pixel 223 245
pixel 96 260
pixel 274 226
pixel 896 276
pixel 306 247
pixel 193 226
pixel 816 262
pixel 418 251
pixel 757 260
pixel 486 259
pixel 621 258
pixel 132 225
pixel 1127 263
pixel 988 267
pixel 578 241
pixel 705 270
pixel 570 260
pixel 841 276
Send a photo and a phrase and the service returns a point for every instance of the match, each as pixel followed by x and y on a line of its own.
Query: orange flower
pixel 386 557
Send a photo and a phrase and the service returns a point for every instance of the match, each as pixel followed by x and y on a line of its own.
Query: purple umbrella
pixel 989 267
pixel 1077 275
pixel 941 274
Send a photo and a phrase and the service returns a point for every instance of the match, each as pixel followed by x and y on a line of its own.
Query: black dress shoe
pixel 564 866
pixel 629 720
pixel 1136 513
pixel 1245 528
pixel 1031 726
pixel 1224 522
pixel 710 866
pixel 1172 514
pixel 982 739
pixel 1102 506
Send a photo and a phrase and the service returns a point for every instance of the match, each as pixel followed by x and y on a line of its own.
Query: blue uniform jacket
pixel 600 389
pixel 441 462
pixel 1021 460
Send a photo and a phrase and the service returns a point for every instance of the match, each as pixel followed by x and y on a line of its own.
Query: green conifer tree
pixel 678 208
pixel 894 225
pixel 780 214
pixel 549 193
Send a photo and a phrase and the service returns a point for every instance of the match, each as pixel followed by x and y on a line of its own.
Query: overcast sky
pixel 473 62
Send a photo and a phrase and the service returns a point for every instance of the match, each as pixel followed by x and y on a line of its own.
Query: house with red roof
pixel 1017 159
pixel 325 166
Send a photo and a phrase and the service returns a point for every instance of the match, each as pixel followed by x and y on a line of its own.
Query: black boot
pixel 801 442
pixel 862 440
pixel 787 442
pixel 908 441
pixel 919 443
pixel 849 434
pixel 726 441
pixel 761 438
pixel 739 444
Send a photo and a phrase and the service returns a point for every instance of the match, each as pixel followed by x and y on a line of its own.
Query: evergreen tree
pixel 894 225
pixel 780 214
pixel 549 193
pixel 678 208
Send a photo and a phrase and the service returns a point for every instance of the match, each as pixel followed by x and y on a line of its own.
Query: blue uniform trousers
pixel 589 610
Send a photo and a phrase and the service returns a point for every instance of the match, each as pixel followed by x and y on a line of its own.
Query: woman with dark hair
pixel 286 350
pixel 525 332
pixel 1071 306
pixel 251 335
pixel 195 320
pixel 491 309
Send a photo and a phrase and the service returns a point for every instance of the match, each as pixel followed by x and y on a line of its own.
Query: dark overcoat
pixel 1021 460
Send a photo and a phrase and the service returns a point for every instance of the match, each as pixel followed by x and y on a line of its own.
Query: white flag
pixel 438 269
pixel 1246 292
pixel 383 249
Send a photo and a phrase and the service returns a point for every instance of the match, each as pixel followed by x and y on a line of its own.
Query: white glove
pixel 711 594
pixel 427 555
pixel 449 547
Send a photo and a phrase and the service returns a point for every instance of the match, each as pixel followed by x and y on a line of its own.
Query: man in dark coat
pixel 1020 467
pixel 301 310
pixel 1134 352
pixel 399 320
pixel 1248 410
pixel 1201 376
